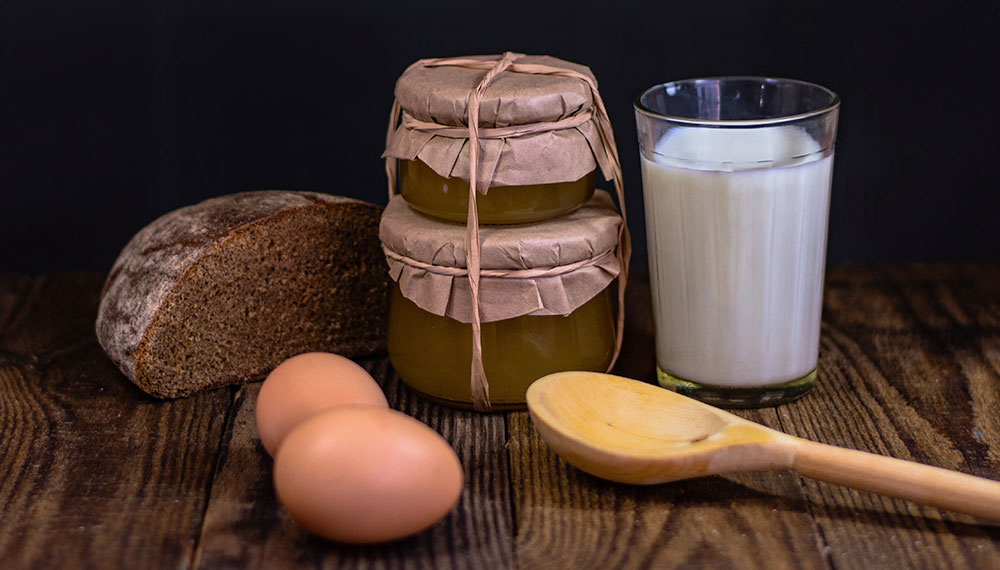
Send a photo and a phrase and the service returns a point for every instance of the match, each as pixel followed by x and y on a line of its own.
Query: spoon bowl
pixel 632 432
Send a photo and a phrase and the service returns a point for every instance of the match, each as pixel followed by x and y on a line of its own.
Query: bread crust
pixel 160 256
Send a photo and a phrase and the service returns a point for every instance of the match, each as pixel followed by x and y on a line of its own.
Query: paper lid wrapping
pixel 586 238
pixel 504 161
pixel 439 95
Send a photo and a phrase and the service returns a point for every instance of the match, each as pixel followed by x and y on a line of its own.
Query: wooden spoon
pixel 632 432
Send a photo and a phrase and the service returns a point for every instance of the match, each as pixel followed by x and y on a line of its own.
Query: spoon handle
pixel 897 478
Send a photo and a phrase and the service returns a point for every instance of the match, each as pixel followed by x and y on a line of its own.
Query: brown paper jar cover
pixel 440 95
pixel 587 237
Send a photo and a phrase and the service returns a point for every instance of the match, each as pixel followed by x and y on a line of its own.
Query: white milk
pixel 736 253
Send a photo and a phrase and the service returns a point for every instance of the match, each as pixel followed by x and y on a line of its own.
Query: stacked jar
pixel 502 252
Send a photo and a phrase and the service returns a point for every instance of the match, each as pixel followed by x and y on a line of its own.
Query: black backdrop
pixel 113 112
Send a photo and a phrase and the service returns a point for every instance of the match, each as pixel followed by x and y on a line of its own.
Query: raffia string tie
pixel 533 273
pixel 508 62
pixel 497 132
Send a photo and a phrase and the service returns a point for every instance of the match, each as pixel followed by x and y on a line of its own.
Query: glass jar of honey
pixel 516 351
pixel 543 300
pixel 538 136
pixel 448 198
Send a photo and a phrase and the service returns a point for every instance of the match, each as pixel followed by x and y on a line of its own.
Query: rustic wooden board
pixel 245 527
pixel 907 371
pixel 93 473
pixel 568 519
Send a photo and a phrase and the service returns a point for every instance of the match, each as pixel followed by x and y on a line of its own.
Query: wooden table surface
pixel 95 474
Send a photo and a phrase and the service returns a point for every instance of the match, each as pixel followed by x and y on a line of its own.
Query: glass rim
pixel 833 104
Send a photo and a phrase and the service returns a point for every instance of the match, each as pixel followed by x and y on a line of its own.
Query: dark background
pixel 113 112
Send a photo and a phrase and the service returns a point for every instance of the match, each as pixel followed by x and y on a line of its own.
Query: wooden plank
pixel 568 519
pixel 245 526
pixel 93 473
pixel 908 369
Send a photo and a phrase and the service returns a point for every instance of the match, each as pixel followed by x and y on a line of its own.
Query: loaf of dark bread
pixel 220 292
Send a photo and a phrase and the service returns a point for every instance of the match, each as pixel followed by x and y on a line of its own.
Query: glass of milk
pixel 736 182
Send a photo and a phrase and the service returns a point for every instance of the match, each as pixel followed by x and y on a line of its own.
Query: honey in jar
pixel 540 145
pixel 533 323
pixel 516 351
pixel 448 198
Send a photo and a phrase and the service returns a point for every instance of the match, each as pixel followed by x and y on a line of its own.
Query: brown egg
pixel 363 474
pixel 306 384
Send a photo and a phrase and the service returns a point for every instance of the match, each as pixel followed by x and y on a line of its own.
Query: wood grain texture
pixel 93 473
pixel 568 519
pixel 906 371
pixel 908 368
pixel 245 527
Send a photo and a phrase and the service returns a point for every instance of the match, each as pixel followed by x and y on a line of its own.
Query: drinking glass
pixel 736 178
